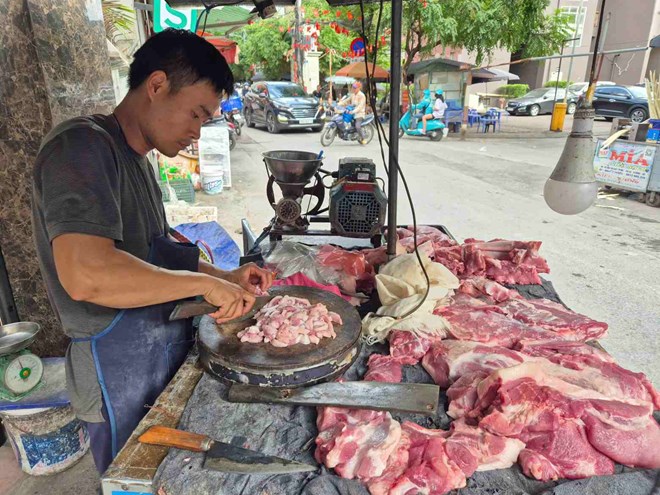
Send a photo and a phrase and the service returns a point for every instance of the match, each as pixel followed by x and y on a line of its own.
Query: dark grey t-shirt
pixel 88 180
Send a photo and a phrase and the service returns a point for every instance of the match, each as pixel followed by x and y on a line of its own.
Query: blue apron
pixel 139 352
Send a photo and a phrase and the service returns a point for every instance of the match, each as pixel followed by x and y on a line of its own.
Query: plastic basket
pixel 182 187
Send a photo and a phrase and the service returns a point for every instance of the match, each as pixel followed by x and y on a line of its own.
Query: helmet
pixel 439 92
pixel 357 85
pixel 427 93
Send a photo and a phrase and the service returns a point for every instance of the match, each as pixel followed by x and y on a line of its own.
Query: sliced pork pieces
pixel 356 443
pixel 287 321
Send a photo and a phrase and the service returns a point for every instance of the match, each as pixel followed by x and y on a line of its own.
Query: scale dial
pixel 23 373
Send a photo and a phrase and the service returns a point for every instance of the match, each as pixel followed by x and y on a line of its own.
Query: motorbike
pixel 236 118
pixel 411 125
pixel 231 111
pixel 342 124
pixel 232 135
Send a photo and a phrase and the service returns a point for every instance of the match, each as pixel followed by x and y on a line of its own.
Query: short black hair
pixel 186 59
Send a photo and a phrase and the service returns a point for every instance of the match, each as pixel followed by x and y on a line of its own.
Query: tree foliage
pixel 480 26
pixel 263 46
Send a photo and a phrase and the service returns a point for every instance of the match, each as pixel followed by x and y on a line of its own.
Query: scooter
pixel 341 124
pixel 412 126
pixel 232 135
pixel 231 111
pixel 234 117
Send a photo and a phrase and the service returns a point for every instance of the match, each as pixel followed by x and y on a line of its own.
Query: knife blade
pixel 221 456
pixel 188 309
pixel 417 398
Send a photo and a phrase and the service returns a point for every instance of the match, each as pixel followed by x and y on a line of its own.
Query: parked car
pixel 281 105
pixel 540 101
pixel 581 88
pixel 621 101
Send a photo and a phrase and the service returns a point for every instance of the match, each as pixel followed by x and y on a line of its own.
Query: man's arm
pixel 92 269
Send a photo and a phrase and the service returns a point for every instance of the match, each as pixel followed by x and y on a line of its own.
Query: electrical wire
pixel 379 128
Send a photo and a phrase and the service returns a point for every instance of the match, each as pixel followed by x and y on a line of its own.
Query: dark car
pixel 540 101
pixel 621 101
pixel 281 105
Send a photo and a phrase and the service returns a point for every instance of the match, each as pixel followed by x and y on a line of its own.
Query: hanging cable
pixel 379 127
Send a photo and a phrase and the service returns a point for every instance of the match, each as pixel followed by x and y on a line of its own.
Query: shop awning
pixel 358 71
pixel 479 75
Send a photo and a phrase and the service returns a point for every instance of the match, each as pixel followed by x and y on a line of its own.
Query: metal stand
pixel 395 114
pixel 8 311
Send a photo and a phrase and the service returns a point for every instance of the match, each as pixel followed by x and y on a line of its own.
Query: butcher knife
pixel 188 309
pixel 221 456
pixel 404 397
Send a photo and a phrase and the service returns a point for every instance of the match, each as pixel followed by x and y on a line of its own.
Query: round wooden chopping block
pixel 225 356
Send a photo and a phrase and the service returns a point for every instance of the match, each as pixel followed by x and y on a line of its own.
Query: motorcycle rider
pixel 358 101
pixel 439 107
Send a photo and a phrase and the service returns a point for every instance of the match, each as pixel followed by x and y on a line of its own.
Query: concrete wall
pixel 631 24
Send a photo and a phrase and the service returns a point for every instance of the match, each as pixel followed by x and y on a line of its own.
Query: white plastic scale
pixel 20 370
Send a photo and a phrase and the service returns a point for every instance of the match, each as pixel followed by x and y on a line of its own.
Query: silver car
pixel 541 100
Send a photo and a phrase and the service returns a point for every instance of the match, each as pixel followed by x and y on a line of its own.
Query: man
pixel 112 272
pixel 358 101
pixel 318 92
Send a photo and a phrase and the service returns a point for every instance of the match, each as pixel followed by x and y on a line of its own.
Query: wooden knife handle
pixel 170 437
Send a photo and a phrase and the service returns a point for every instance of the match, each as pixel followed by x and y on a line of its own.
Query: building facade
pixel 626 24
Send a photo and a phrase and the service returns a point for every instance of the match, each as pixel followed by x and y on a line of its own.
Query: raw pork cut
pixel 287 320
pixel 508 262
pixel 408 348
pixel 356 443
pixel 480 287
pixel 556 318
pixel 484 324
pixel 488 450
pixel 450 359
pixel 430 470
pixel 562 453
pixel 383 369
pixel 556 349
pixel 538 397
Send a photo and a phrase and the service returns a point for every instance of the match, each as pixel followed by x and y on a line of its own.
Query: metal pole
pixel 592 72
pixel 561 54
pixel 296 49
pixel 395 111
pixel 8 311
pixel 575 36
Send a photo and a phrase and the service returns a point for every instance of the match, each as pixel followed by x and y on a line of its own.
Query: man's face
pixel 174 120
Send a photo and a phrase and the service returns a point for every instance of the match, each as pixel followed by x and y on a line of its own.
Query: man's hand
pixel 250 276
pixel 232 301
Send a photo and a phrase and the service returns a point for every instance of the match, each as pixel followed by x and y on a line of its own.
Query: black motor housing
pixel 357 203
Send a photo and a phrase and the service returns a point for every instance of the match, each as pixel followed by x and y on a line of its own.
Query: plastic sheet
pixel 288 258
pixel 226 253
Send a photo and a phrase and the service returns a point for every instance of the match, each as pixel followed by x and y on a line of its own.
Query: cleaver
pixel 188 309
pixel 417 398
pixel 221 456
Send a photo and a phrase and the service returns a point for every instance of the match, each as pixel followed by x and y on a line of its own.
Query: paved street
pixel 604 262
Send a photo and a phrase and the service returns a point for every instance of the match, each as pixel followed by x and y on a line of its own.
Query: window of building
pixel 575 14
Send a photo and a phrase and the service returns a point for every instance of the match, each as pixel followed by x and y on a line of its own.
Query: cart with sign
pixel 630 166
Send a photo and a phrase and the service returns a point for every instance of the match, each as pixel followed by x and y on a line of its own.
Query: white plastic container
pixel 212 182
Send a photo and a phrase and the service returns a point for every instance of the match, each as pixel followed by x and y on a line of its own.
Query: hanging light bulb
pixel 572 187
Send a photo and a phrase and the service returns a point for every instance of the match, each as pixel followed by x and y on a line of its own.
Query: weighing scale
pixel 20 370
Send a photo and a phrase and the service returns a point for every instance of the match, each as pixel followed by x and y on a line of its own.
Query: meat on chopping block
pixel 287 320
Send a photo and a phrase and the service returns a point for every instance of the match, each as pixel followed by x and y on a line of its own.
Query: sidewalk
pixel 514 127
